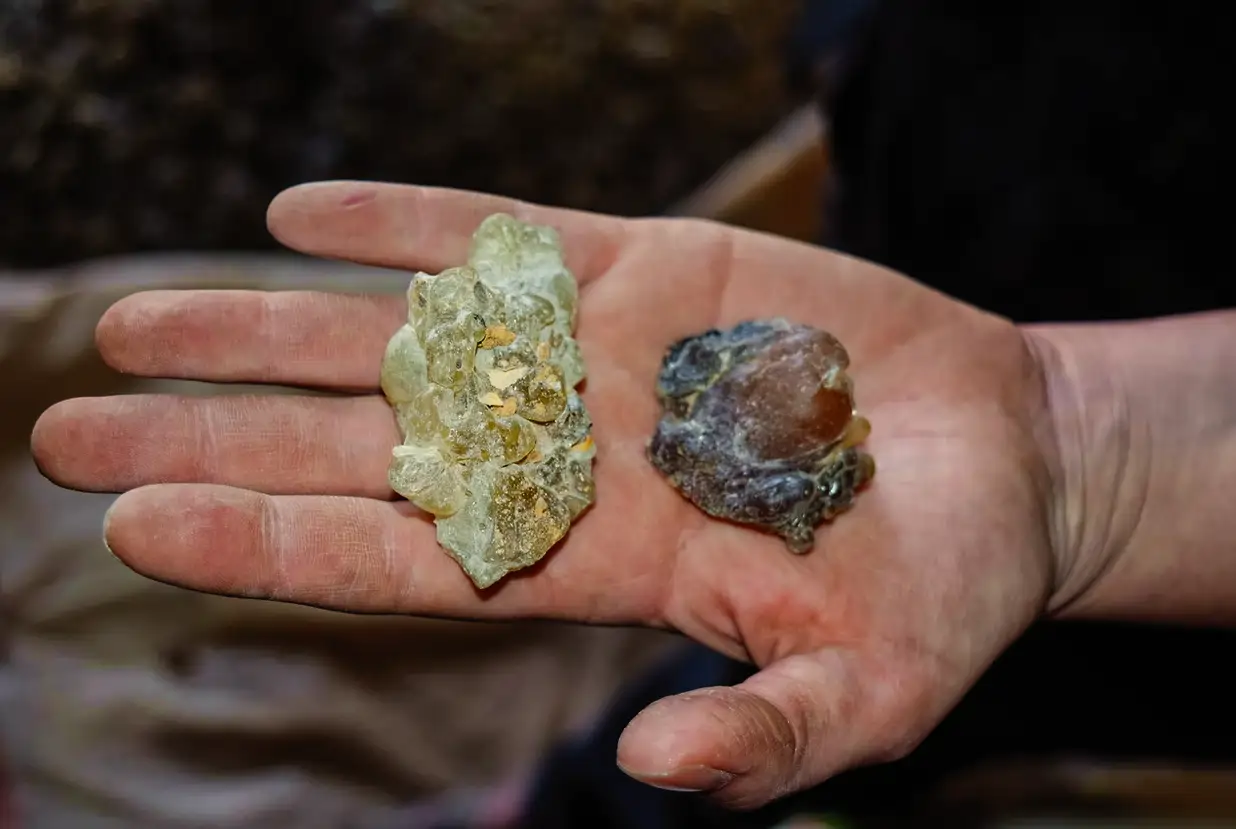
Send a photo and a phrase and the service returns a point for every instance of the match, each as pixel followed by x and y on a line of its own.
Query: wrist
pixel 1098 449
pixel 1098 455
pixel 1143 430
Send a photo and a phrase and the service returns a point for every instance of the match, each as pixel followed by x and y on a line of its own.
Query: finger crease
pixel 273 546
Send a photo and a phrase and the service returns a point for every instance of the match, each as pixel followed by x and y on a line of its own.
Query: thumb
pixel 788 727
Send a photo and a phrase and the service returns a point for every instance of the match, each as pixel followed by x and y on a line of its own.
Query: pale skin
pixel 1021 473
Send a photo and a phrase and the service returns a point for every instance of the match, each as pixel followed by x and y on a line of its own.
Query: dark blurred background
pixel 1045 160
pixel 136 125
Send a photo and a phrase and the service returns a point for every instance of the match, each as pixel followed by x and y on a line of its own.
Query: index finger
pixel 425 228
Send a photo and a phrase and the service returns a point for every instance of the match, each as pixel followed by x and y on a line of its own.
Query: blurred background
pixel 1045 160
pixel 134 125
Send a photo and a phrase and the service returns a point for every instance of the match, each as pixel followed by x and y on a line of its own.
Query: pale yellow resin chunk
pixel 497 444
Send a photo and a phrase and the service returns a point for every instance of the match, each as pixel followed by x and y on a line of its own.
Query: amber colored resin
pixel 497 444
pixel 760 427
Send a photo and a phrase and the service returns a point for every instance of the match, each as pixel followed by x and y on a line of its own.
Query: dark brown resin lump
pixel 759 427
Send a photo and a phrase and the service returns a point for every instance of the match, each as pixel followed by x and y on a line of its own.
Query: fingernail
pixel 107 520
pixel 685 779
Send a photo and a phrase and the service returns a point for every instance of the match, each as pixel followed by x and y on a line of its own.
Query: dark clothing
pixel 1042 159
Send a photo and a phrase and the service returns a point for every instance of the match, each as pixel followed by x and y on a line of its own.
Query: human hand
pixel 864 643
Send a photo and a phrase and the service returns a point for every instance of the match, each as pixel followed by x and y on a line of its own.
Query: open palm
pixel 865 642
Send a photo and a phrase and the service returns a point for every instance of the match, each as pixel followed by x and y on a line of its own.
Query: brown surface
pixel 1170 795
pixel 776 185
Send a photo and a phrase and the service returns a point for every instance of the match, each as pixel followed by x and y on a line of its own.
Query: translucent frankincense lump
pixel 759 427
pixel 497 444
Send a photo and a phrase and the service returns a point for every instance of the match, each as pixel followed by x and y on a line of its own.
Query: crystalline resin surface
pixel 497 444
pixel 759 427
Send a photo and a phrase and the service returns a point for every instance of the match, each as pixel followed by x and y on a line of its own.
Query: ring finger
pixel 277 444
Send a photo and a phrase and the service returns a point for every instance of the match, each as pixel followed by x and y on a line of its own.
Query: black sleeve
pixel 1044 160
